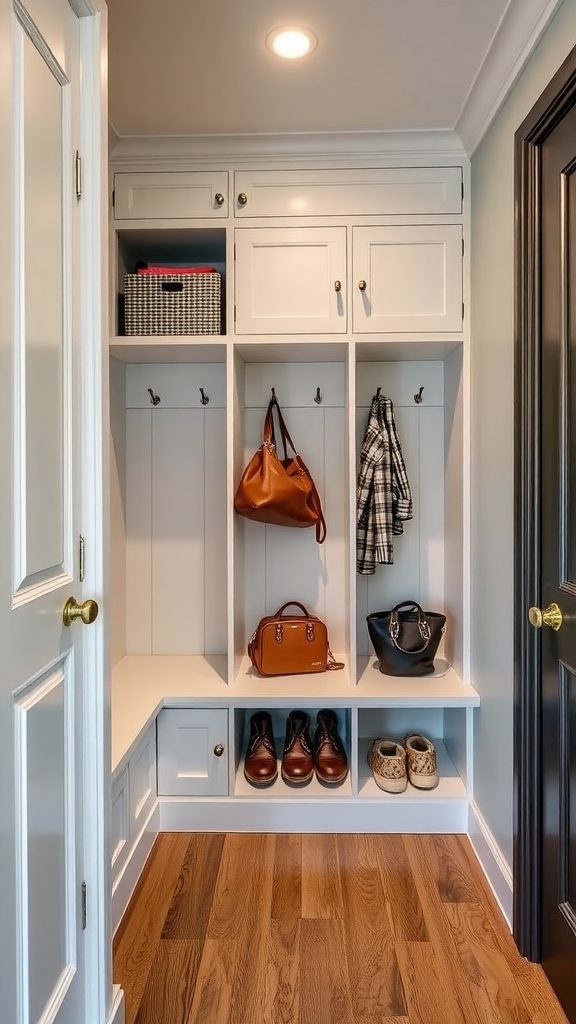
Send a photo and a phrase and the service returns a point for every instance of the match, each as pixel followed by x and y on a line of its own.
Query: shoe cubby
pixel 280 789
pixel 447 730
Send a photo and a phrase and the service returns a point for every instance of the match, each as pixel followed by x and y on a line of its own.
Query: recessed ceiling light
pixel 291 42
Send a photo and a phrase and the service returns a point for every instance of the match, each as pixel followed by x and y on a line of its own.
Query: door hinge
pixel 462 187
pixel 78 175
pixel 81 559
pixel 463 245
pixel 113 198
pixel 462 310
pixel 84 906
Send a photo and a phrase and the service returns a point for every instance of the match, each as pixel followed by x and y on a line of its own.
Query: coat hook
pixel 155 399
pixel 378 390
pixel 203 398
pixel 418 396
pixel 273 395
pixel 318 397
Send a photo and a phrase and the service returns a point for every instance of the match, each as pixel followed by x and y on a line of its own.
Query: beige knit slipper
pixel 387 759
pixel 421 762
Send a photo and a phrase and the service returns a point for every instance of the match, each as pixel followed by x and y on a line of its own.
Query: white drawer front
pixel 170 195
pixel 386 191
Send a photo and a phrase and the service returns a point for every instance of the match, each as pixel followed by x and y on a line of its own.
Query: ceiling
pixel 185 67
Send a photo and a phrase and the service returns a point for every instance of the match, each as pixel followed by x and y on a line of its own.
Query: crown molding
pixel 332 148
pixel 522 26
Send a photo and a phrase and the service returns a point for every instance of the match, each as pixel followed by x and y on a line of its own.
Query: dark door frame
pixel 556 100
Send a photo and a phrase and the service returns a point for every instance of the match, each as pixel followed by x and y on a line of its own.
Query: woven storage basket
pixel 172 303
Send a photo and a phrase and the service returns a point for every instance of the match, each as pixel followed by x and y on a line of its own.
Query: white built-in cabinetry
pixel 336 281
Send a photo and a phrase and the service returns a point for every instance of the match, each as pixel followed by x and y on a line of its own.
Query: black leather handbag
pixel 406 639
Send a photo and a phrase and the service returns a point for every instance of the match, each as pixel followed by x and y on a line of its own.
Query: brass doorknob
pixel 550 616
pixel 362 286
pixel 88 611
pixel 218 750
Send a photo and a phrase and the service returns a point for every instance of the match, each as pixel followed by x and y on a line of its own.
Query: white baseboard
pixel 124 885
pixel 180 814
pixel 492 862
pixel 116 1015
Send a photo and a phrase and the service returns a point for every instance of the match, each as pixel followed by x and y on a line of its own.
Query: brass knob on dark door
pixel 87 611
pixel 550 616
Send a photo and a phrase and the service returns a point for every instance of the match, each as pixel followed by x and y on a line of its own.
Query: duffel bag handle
pixel 423 627
pixel 288 604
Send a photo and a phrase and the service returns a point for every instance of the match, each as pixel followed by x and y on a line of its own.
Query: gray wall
pixel 492 397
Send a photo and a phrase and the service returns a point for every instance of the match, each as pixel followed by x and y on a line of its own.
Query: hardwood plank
pixel 321 892
pixel 404 906
pixel 287 879
pixel 494 990
pixel 325 992
pixel 137 940
pixel 282 979
pixel 212 999
pixel 191 904
pixel 431 997
pixel 450 868
pixel 374 978
pixel 171 982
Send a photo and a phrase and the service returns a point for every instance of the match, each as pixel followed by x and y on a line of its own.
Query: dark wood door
pixel 545 861
pixel 558 589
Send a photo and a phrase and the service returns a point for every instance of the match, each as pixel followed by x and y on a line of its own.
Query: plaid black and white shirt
pixel 384 498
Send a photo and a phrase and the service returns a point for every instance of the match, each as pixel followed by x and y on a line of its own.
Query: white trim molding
pixel 492 862
pixel 519 32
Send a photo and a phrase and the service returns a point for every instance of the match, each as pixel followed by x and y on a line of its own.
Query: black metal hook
pixel 418 395
pixel 273 394
pixel 318 397
pixel 155 399
pixel 203 397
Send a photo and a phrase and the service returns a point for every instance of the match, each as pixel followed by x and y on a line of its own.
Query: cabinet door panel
pixel 348 192
pixel 170 195
pixel 187 762
pixel 290 280
pixel 412 276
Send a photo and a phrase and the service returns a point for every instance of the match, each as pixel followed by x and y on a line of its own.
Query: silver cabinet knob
pixel 362 286
pixel 219 199
pixel 337 286
pixel 218 750
pixel 242 199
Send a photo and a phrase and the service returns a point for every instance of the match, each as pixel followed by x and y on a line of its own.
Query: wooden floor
pixel 321 929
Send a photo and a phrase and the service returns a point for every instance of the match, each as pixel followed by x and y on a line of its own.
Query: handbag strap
pixel 304 610
pixel 423 627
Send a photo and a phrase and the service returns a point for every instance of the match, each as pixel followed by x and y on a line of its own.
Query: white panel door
pixel 290 280
pixel 407 279
pixel 42 768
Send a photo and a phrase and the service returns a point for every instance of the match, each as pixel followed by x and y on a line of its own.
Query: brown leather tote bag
pixel 279 491
pixel 290 644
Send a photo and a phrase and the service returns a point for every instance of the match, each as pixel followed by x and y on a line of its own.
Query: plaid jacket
pixel 384 499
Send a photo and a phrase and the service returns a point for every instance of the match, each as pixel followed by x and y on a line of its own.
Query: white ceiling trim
pixel 331 147
pixel 519 32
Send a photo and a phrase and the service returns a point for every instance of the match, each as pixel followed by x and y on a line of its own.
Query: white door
pixel 407 279
pixel 43 767
pixel 291 280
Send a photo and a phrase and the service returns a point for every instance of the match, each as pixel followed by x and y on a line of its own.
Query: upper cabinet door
pixel 350 192
pixel 407 279
pixel 170 195
pixel 291 280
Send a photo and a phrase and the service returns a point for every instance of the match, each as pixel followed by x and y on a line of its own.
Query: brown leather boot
pixel 297 760
pixel 330 758
pixel 260 763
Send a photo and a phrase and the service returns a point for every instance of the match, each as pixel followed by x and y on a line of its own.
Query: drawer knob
pixel 218 750
pixel 242 199
pixel 219 199
pixel 337 286
pixel 362 286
